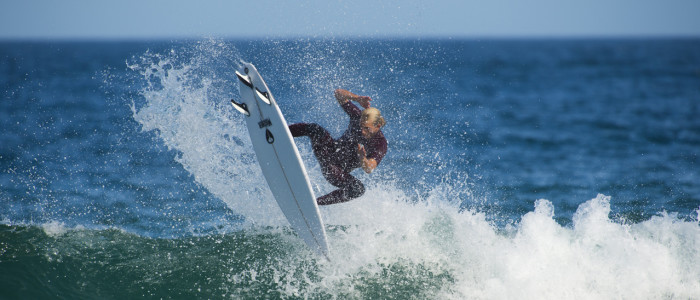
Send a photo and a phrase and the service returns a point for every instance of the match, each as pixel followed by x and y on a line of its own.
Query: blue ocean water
pixel 517 169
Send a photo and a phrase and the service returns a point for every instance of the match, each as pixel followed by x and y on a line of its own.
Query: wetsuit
pixel 338 157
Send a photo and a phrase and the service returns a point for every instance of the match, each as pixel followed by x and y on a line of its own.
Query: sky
pixel 174 19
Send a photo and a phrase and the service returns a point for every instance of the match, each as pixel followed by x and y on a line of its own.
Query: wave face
pixel 516 169
pixel 396 251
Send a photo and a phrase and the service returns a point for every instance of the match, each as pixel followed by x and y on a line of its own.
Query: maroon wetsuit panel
pixel 346 154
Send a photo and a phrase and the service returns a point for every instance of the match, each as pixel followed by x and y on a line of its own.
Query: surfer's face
pixel 369 129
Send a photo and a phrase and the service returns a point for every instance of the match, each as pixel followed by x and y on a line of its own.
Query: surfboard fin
pixel 240 107
pixel 264 96
pixel 245 79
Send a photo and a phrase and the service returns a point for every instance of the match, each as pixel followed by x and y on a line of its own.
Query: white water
pixel 537 259
pixel 187 113
pixel 595 258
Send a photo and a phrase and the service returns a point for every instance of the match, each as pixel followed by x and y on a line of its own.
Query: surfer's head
pixel 371 121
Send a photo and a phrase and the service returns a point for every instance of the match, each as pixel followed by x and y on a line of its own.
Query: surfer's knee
pixel 354 190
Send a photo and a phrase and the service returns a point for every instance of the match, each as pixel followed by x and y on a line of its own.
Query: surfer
pixel 362 145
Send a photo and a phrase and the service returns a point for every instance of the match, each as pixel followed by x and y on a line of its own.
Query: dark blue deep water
pixel 517 169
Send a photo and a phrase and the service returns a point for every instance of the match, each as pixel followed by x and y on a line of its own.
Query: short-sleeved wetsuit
pixel 338 157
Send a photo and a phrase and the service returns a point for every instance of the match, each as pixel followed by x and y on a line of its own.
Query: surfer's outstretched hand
pixel 364 101
pixel 344 95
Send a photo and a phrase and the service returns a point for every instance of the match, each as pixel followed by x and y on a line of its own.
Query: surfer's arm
pixel 343 96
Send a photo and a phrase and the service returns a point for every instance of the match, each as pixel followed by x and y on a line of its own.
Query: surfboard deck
pixel 279 158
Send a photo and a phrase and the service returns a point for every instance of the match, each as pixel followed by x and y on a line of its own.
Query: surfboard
pixel 279 158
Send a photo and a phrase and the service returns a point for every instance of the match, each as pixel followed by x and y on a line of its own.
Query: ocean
pixel 517 169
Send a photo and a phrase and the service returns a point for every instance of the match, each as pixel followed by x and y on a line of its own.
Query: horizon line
pixel 179 38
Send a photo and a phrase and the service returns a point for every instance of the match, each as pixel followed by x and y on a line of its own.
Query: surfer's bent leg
pixel 322 145
pixel 321 140
pixel 349 186
pixel 311 130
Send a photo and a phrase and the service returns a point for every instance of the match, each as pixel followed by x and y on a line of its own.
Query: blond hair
pixel 373 115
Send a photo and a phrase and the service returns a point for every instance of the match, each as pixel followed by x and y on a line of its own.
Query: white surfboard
pixel 279 159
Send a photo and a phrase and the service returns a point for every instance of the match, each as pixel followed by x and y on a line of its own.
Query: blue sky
pixel 37 19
